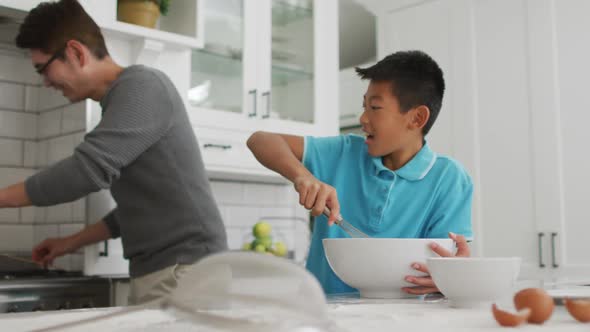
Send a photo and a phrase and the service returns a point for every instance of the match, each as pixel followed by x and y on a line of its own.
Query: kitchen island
pixel 344 314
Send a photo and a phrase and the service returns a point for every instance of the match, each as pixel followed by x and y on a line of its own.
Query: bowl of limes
pixel 264 240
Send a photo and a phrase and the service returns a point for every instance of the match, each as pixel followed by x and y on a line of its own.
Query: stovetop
pixel 13 266
pixel 34 274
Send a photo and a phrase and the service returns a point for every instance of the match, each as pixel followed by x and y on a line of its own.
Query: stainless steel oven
pixel 27 287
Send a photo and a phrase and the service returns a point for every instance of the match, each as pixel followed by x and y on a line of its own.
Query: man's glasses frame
pixel 57 54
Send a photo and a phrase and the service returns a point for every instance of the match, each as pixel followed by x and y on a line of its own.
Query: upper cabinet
pixel 262 67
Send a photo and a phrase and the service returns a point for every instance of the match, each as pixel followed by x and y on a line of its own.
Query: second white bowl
pixel 474 281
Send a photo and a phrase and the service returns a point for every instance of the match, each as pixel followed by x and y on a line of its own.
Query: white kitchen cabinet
pixel 352 90
pixel 514 115
pixel 267 65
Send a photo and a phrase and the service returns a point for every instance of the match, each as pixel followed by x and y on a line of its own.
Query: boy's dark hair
pixel 416 79
pixel 50 25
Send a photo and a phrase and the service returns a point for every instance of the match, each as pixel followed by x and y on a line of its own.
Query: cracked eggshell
pixel 536 299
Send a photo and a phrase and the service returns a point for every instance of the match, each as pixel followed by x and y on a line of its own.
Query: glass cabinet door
pixel 217 69
pixel 292 61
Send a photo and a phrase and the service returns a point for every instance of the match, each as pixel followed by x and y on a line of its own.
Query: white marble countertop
pixel 346 314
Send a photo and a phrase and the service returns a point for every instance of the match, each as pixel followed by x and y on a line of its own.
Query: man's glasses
pixel 41 70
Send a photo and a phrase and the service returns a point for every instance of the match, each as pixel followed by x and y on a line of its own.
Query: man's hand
pixel 425 284
pixel 48 250
pixel 315 195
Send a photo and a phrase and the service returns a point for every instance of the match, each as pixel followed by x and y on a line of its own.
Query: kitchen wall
pixel 39 127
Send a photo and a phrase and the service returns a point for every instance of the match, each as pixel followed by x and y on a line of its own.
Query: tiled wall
pixel 37 128
pixel 242 204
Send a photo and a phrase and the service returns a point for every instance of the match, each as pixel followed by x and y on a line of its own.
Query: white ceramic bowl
pixel 474 281
pixel 377 267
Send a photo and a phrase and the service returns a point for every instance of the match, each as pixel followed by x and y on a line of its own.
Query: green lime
pixel 260 248
pixel 280 249
pixel 261 229
pixel 247 246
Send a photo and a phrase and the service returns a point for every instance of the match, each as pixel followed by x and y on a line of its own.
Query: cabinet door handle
pixel 253 93
pixel 218 146
pixel 267 95
pixel 553 260
pixel 540 238
pixel 105 251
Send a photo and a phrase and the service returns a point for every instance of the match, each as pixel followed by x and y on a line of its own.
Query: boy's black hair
pixel 416 79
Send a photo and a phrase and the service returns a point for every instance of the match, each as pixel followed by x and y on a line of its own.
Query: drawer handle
pixel 540 238
pixel 254 96
pixel 105 251
pixel 553 259
pixel 267 96
pixel 217 146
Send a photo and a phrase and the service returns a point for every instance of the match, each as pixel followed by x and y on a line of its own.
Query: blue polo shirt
pixel 426 198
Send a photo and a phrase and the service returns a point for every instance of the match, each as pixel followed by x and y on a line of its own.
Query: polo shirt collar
pixel 416 169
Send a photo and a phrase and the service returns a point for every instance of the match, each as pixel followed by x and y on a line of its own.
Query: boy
pixel 390 182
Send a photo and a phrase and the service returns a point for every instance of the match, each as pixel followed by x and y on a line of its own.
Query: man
pixel 143 149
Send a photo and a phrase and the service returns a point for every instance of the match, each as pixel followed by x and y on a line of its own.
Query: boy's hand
pixel 425 284
pixel 315 195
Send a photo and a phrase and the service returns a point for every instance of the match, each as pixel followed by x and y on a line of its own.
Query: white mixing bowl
pixel 474 281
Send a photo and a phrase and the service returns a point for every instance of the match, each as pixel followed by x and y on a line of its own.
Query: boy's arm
pixel 284 154
pixel 280 153
pixel 14 196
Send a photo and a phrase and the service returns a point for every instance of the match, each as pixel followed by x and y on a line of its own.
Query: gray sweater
pixel 145 151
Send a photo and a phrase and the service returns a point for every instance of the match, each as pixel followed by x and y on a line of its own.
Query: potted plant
pixel 141 12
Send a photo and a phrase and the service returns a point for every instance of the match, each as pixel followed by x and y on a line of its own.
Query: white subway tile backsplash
pixel 42 155
pixel 63 263
pixel 285 235
pixel 12 96
pixel 241 216
pixel 60 148
pixel 9 176
pixel 18 125
pixel 50 99
pixel 76 262
pixel 43 232
pixel 73 118
pixel 17 67
pixel 301 212
pixel 11 152
pixel 9 215
pixel 49 123
pixel 263 194
pixel 32 98
pixel 79 210
pixel 16 237
pixel 270 212
pixel 235 238
pixel 289 194
pixel 27 215
pixel 29 154
pixel 40 214
pixel 61 213
pixel 228 192
pixel 69 229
